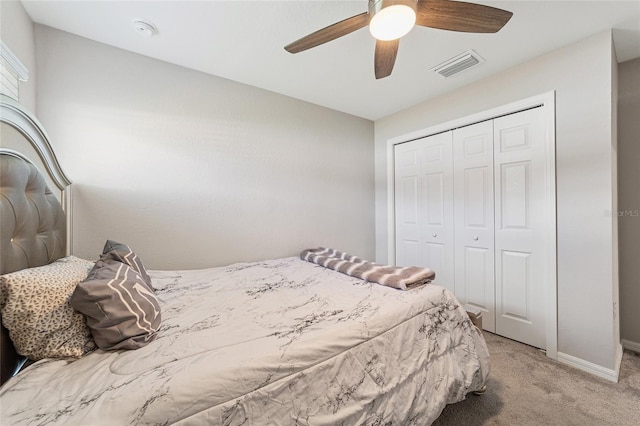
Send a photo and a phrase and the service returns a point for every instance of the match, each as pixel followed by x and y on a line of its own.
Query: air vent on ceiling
pixel 458 64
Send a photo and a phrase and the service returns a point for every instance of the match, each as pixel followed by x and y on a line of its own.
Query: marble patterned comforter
pixel 279 342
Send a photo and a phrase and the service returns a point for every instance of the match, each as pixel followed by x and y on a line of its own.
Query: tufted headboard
pixel 34 219
pixel 33 222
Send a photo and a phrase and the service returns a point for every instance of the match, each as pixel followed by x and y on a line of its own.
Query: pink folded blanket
pixel 402 278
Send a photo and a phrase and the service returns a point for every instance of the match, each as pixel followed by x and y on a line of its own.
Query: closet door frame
pixel 549 280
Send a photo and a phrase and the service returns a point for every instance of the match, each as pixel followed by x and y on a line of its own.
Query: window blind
pixel 12 71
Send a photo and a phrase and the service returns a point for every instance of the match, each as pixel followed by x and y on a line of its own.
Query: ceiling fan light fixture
pixel 459 16
pixel 391 19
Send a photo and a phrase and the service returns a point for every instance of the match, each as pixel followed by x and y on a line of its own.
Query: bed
pixel 281 341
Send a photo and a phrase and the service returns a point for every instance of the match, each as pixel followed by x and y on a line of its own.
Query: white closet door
pixel 437 208
pixel 520 237
pixel 408 157
pixel 474 218
pixel 424 206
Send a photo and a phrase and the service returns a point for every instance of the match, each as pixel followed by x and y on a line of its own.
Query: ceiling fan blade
pixel 385 57
pixel 461 16
pixel 329 33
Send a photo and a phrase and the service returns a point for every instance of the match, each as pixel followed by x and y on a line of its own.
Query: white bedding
pixel 279 342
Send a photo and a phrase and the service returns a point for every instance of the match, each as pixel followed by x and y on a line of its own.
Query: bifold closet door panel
pixel 520 235
pixel 474 218
pixel 437 208
pixel 424 206
pixel 407 203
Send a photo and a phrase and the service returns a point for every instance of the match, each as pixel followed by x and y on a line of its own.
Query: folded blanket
pixel 402 278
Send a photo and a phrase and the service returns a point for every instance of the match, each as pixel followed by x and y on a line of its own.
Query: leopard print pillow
pixel 36 310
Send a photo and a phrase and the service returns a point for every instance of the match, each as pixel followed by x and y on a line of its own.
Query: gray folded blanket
pixel 402 278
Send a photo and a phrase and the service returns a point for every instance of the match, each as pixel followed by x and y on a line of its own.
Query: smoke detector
pixel 144 28
pixel 457 64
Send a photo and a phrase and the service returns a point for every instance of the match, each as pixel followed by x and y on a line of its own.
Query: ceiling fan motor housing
pixel 376 6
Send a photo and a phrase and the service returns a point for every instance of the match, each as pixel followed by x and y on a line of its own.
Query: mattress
pixel 278 342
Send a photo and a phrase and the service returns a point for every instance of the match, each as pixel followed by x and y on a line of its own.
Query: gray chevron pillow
pixel 123 253
pixel 122 310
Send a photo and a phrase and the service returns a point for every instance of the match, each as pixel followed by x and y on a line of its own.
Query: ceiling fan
pixel 389 20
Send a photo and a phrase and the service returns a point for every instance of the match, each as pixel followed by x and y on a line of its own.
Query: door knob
pixel 435 235
pixel 475 238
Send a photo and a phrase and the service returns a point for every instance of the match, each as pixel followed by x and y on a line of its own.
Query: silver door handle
pixel 475 238
pixel 435 235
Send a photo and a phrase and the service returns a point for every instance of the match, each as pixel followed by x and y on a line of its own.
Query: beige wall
pixel 16 31
pixel 581 75
pixel 629 199
pixel 193 170
pixel 615 259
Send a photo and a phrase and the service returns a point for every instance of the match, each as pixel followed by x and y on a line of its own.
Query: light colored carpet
pixel 527 388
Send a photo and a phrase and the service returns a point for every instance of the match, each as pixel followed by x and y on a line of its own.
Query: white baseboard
pixel 632 346
pixel 595 369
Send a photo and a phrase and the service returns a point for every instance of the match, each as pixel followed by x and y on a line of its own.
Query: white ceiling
pixel 243 41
